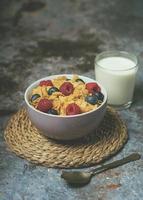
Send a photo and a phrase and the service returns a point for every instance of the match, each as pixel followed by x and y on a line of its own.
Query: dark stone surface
pixel 43 37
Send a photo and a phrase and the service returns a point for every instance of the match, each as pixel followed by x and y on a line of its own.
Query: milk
pixel 117 75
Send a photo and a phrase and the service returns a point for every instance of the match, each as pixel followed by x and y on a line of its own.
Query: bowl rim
pixel 31 86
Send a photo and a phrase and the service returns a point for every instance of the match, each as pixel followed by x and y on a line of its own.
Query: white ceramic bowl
pixel 65 127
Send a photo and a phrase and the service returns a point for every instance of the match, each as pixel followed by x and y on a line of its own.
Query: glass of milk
pixel 116 71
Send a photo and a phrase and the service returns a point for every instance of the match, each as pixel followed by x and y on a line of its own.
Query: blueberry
pixel 52 89
pixel 34 97
pixel 99 95
pixel 92 99
pixel 79 79
pixel 52 111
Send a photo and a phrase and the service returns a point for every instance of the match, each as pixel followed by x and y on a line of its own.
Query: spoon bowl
pixel 77 177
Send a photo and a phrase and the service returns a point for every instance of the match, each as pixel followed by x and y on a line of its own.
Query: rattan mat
pixel 25 140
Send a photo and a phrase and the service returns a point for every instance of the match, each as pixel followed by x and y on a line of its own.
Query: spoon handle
pixel 130 158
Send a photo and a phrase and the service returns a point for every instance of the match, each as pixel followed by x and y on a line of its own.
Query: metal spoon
pixel 78 178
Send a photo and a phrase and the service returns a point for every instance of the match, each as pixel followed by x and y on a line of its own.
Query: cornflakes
pixel 63 96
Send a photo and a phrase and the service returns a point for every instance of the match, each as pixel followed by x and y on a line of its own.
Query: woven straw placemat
pixel 25 140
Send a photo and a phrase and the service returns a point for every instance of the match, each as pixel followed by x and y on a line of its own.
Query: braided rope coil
pixel 24 139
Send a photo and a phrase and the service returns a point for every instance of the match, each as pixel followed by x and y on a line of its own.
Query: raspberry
pixel 93 87
pixel 44 105
pixel 73 109
pixel 46 83
pixel 66 88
